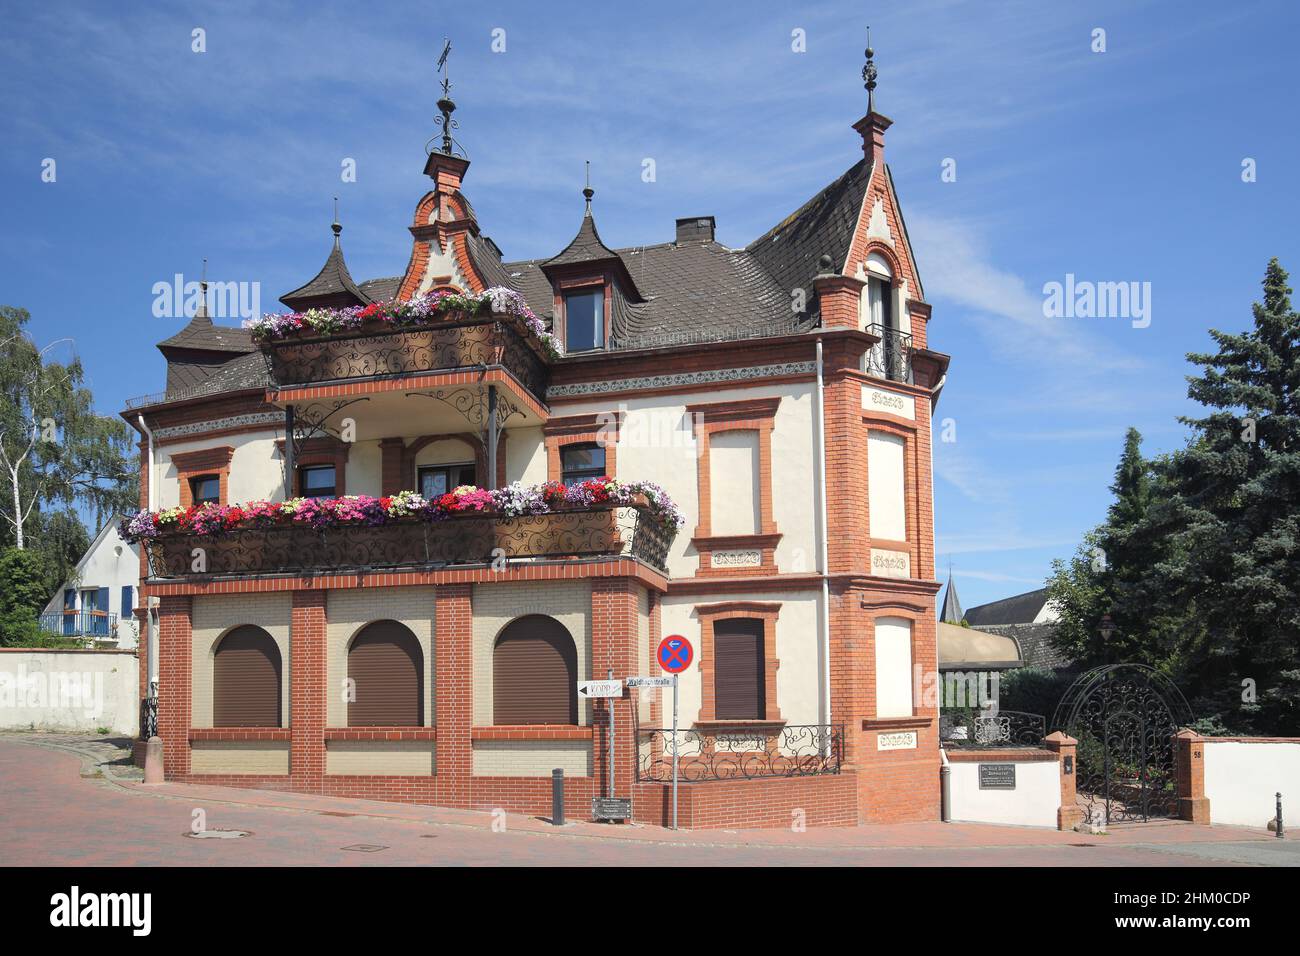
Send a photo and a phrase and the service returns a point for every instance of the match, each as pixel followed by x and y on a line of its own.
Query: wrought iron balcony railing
pixel 379 352
pixel 740 752
pixel 891 357
pixel 461 539
pixel 80 623
pixel 1006 728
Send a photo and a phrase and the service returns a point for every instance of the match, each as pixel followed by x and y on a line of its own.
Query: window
pixel 739 686
pixel 535 673
pixel 316 481
pixel 205 489
pixel 246 672
pixel 581 462
pixel 878 303
pixel 584 320
pixel 386 665
pixel 437 480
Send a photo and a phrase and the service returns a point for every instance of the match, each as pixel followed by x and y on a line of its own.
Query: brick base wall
pixel 829 800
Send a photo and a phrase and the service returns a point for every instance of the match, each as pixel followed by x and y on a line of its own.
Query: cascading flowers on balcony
pixel 414 312
pixel 322 514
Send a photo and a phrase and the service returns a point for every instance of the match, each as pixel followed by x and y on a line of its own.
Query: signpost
pixel 608 807
pixel 600 688
pixel 675 654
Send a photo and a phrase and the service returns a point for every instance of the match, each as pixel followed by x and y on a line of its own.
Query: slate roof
pixel 952 612
pixel 584 247
pixel 381 290
pixel 1036 646
pixel 334 279
pixel 1019 609
pixel 202 335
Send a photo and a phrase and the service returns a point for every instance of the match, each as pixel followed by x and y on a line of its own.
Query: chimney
pixel 695 229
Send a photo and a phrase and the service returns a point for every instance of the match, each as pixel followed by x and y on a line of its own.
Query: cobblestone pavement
pixel 52 815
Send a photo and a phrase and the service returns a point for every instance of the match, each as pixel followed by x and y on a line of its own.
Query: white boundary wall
pixel 1032 803
pixel 1242 777
pixel 69 691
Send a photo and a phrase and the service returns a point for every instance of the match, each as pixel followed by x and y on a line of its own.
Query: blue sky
pixel 1115 166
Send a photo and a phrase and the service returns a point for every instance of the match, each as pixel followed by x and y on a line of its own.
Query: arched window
pixel 387 668
pixel 535 673
pixel 246 679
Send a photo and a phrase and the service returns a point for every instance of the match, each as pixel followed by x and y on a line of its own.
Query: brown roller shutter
pixel 535 673
pixel 738 684
pixel 387 666
pixel 246 680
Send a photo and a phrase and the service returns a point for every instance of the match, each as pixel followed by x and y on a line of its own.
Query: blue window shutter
pixel 101 599
pixel 70 599
pixel 128 600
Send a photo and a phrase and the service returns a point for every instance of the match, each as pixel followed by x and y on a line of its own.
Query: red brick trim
pixel 757 415
pixel 381 733
pixel 209 461
pixel 320 451
pixel 1001 756
pixel 532 732
pixel 602 428
pixel 239 733
pixel 709 615
pixel 477 449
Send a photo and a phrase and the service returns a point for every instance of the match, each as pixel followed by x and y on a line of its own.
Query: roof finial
pixel 203 291
pixel 446 105
pixel 587 191
pixel 869 75
pixel 337 226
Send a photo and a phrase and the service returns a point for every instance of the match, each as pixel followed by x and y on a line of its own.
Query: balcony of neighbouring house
pixel 93 624
pixel 467 528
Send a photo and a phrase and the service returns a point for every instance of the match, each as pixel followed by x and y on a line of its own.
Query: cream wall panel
pixel 240 756
pixel 213 617
pixel 798 648
pixel 1033 803
pixel 657 443
pixel 407 758
pixel 496 605
pixel 1242 777
pixel 886 491
pixel 255 468
pixel 351 609
pixel 364 471
pixel 525 456
pixel 447 451
pixel 531 758
pixel 893 667
pixel 733 481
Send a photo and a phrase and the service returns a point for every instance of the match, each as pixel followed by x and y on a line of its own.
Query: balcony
pixel 382 351
pixel 470 538
pixel 101 624
pixel 891 357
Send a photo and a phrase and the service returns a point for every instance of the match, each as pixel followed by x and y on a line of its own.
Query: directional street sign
pixel 600 688
pixel 649 682
pixel 675 653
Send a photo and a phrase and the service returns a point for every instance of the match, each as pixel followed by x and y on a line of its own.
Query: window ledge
pixel 885 723
pixel 239 733
pixel 531 732
pixel 716 725
pixel 381 733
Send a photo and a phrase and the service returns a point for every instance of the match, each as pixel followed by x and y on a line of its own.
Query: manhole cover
pixel 217 834
pixel 335 813
pixel 364 847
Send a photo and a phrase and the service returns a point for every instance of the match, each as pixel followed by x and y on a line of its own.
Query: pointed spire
pixel 337 226
pixel 952 610
pixel 872 126
pixel 333 285
pixel 202 312
pixel 587 191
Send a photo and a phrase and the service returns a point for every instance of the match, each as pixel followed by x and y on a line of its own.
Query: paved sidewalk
pixel 58 812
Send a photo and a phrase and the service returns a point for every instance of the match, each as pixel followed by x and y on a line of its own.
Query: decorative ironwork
pixel 793 750
pixel 311 421
pixel 1005 728
pixel 461 539
pixel 148 717
pixel 479 342
pixel 1124 717
pixel 80 623
pixel 891 357
pixel 472 403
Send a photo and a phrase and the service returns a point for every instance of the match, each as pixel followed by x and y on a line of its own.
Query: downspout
pixel 151 608
pixel 945 769
pixel 823 558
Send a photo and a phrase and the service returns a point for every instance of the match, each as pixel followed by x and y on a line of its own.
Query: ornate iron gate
pixel 1124 717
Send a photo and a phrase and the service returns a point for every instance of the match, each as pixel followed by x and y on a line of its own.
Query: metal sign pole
pixel 609 702
pixel 674 751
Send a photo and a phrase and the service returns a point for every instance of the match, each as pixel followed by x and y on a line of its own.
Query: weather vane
pixel 442 65
pixel 446 105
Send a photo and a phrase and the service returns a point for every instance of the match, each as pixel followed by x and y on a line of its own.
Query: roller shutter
pixel 738 679
pixel 246 680
pixel 387 666
pixel 535 673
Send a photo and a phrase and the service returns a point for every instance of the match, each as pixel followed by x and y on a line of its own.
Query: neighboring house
pixel 98 601
pixel 1030 620
pixel 438 662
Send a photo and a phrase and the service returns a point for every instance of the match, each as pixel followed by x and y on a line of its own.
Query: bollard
pixel 153 760
pixel 1279 817
pixel 557 797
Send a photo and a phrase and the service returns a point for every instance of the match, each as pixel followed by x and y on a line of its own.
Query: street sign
pixel 675 653
pixel 650 682
pixel 611 808
pixel 600 688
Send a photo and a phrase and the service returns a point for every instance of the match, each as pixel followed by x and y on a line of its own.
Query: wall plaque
pixel 891 564
pixel 748 558
pixel 891 403
pixel 901 740
pixel 997 776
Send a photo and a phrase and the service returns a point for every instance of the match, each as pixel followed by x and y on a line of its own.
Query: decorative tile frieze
pixel 706 377
pixel 219 424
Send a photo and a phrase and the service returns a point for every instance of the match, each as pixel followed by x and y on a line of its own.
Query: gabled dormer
pixel 591 284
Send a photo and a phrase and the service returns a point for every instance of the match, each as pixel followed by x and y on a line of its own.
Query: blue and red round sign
pixel 675 653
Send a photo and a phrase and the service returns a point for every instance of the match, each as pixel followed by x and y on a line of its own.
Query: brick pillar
pixel 839 298
pixel 391 477
pixel 1189 776
pixel 614 612
pixel 1067 762
pixel 453 618
pixel 307 690
pixel 175 645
